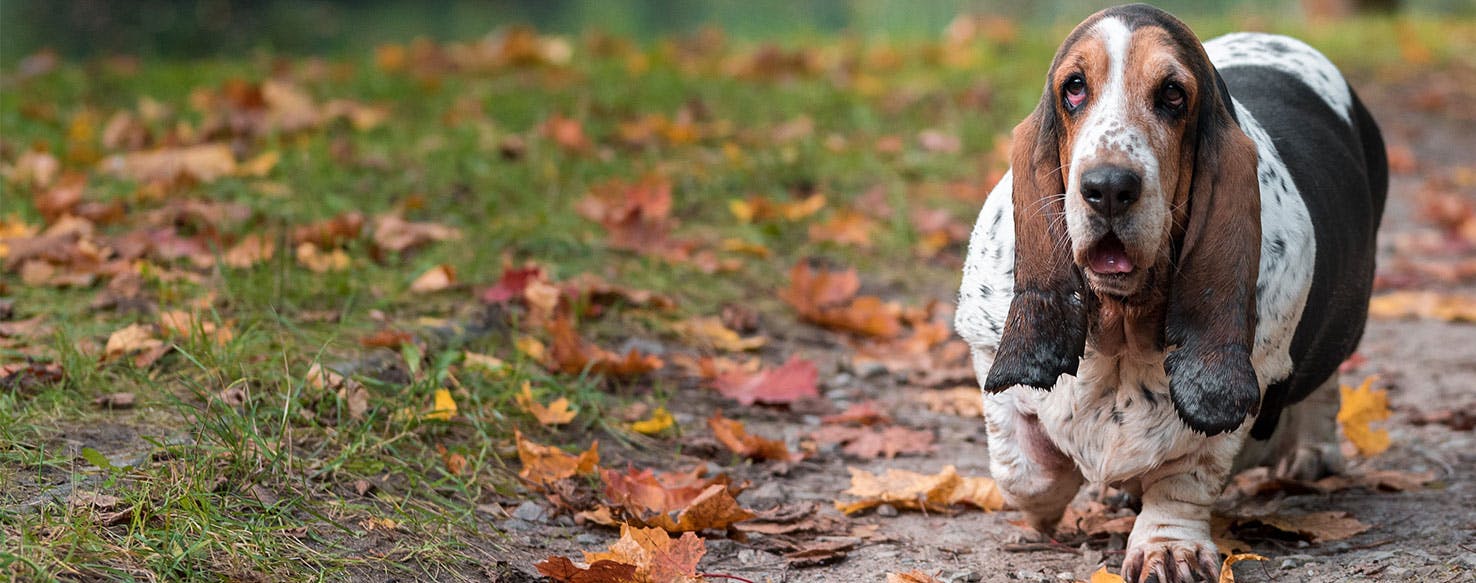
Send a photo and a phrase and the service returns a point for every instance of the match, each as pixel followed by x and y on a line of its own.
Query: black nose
pixel 1110 190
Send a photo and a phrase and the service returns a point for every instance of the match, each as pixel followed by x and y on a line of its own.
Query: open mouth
pixel 1109 257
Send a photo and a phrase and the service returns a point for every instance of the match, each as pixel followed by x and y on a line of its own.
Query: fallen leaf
pixel 568 133
pixel 351 393
pixel 136 340
pixel 309 256
pixel 1359 408
pixel 637 216
pixel 555 413
pixel 658 558
pixel 1319 527
pixel 394 234
pixel 1424 304
pixel 250 250
pixel 711 332
pixel 761 209
pixel 1227 573
pixel 913 576
pixel 572 355
pixel 379 523
pixel 828 298
pixel 435 279
pixel 455 463
pixel 185 324
pixel 676 502
pixel 511 284
pixel 201 163
pixel 332 232
pixel 910 490
pixel 482 362
pixel 733 436
pixel 563 570
pixel 847 227
pixel 796 379
pixel 869 443
pixel 660 420
pixel 961 401
pixel 1102 576
pixel 544 465
pixel 444 408
pixel 530 347
pixel 25 377
pixel 864 413
pixel 115 401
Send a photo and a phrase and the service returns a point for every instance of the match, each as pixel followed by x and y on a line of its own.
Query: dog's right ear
pixel 1045 331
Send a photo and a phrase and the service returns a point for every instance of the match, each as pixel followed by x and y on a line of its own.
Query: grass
pixel 233 466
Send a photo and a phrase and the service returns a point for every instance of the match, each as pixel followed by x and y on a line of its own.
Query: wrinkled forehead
pixel 1149 37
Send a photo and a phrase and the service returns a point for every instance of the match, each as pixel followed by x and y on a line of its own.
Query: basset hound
pixel 1182 251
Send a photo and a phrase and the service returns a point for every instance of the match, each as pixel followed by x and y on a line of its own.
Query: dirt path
pixel 1426 535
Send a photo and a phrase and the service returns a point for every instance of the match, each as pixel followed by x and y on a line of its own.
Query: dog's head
pixel 1134 185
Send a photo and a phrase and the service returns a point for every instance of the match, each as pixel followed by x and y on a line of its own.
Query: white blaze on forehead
pixel 1106 124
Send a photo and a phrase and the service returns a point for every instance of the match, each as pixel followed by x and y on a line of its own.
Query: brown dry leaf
pixel 863 413
pixel 910 490
pixel 868 443
pixel 438 278
pixel 38 169
pixel 828 298
pixel 710 331
pixel 1097 519
pixel 658 558
pixel 60 198
pixel 1227 573
pixel 733 436
pixel 847 227
pixel 137 340
pixel 24 377
pixel 309 256
pixel 636 216
pixel 568 133
pixel 250 250
pixel 563 570
pixel 350 392
pixel 676 502
pixel 761 209
pixel 544 465
pixel 513 282
pixel 796 379
pixel 331 232
pixel 201 163
pixel 455 463
pixel 394 234
pixel 1359 408
pixel 555 413
pixel 1318 526
pixel 571 354
pixel 961 401
pixel 387 338
pixel 485 363
pixel 1424 304
pixel 912 577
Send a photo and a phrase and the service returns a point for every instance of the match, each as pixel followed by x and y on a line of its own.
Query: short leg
pixel 1033 474
pixel 1316 453
pixel 1171 538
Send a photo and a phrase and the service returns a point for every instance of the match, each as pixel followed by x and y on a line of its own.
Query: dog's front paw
pixel 1174 561
pixel 1311 462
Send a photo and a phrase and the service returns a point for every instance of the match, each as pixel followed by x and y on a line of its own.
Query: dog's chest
pixel 1115 418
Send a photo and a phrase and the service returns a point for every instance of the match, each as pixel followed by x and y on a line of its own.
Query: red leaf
pixel 796 379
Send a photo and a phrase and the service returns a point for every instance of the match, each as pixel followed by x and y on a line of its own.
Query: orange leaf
pixel 434 279
pixel 1359 408
pixel 847 227
pixel 1102 576
pixel 733 436
pixel 562 570
pixel 571 354
pixel 1227 573
pixel 555 413
pixel 676 502
pixel 545 465
pixel 657 557
pixel 796 379
pixel 911 490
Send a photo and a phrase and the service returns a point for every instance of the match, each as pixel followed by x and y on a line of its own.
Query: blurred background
pixel 201 28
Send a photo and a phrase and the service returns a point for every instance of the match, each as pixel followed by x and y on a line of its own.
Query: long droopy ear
pixel 1045 331
pixel 1211 319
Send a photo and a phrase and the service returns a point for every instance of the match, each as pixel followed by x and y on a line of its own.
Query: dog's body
pixel 1215 295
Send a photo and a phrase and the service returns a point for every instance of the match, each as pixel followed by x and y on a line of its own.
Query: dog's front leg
pixel 1171 538
pixel 1033 474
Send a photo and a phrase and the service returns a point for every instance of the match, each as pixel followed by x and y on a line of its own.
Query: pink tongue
pixel 1110 257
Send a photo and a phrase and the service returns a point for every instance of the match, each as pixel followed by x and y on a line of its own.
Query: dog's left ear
pixel 1211 320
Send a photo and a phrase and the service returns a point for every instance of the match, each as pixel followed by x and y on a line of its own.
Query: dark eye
pixel 1172 95
pixel 1074 92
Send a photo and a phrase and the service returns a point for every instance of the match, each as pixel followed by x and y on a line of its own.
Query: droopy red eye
pixel 1172 95
pixel 1074 92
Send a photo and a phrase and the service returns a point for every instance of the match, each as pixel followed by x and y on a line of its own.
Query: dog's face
pixel 1126 99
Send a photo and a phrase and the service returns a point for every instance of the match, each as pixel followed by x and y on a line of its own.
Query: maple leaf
pixel 1101 575
pixel 910 490
pixel 201 163
pixel 1319 527
pixel 435 279
pixel 796 379
pixel 760 209
pixel 61 197
pixel 181 323
pixel 636 216
pixel 350 392
pixel 443 407
pixel 544 465
pixel 563 570
pixel 1424 304
pixel 710 331
pixel 1227 572
pixel 733 436
pixel 913 576
pixel 1358 409
pixel 394 234
pixel 250 250
pixel 676 502
pixel 657 557
pixel 568 133
pixel 864 413
pixel 512 283
pixel 331 232
pixel 866 443
pixel 137 340
pixel 555 413
pixel 311 257
pixel 828 298
pixel 571 354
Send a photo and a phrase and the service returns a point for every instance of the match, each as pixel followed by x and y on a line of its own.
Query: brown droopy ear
pixel 1045 331
pixel 1211 320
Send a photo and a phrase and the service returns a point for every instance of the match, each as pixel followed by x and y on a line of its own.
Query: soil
pixel 1423 535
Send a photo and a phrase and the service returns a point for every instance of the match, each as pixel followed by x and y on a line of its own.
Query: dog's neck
pixel 1133 325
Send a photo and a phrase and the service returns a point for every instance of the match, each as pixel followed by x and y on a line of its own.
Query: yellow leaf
pixel 445 407
pixel 742 210
pixel 309 256
pixel 555 413
pixel 660 420
pixel 911 490
pixel 484 363
pixel 712 332
pixel 1360 407
pixel 260 165
pixel 530 347
pixel 736 245
pixel 1227 575
pixel 1102 576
